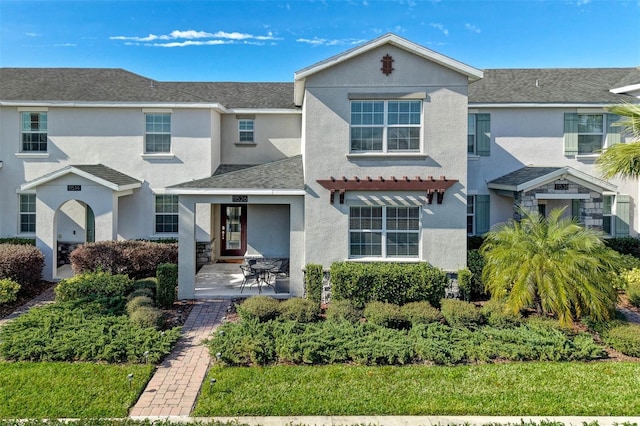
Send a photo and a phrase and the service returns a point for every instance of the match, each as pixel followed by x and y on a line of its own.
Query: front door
pixel 91 226
pixel 233 230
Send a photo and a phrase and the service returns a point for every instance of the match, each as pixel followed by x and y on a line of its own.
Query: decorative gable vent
pixel 387 64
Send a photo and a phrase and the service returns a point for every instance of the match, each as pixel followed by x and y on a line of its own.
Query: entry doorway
pixel 233 229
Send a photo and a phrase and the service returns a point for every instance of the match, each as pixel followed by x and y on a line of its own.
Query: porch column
pixel 45 236
pixel 296 246
pixel 186 248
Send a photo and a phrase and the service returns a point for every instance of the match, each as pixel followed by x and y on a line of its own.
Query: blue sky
pixel 204 40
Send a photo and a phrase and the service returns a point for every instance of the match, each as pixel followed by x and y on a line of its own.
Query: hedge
pixel 137 259
pixel 167 275
pixel 92 286
pixel 313 282
pixel 21 263
pixel 397 283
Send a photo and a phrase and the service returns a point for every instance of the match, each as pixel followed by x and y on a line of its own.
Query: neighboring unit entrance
pixel 233 230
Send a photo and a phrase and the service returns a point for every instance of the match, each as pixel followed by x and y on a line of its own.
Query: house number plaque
pixel 74 187
pixel 240 198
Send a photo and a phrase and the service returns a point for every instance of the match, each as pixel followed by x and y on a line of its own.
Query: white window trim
pixel 603 136
pixel 475 135
pixel 156 233
pixel 252 131
pixel 473 214
pixel 157 154
pixel 20 213
pixel 385 126
pixel 32 154
pixel 383 231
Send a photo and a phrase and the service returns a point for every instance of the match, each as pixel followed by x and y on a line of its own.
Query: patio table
pixel 262 270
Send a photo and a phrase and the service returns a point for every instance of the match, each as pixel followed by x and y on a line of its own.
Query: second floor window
pixel 245 130
pixel 385 126
pixel 157 133
pixel 34 131
pixel 590 133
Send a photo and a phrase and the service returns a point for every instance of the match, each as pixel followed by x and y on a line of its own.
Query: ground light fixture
pixel 130 379
pixel 211 383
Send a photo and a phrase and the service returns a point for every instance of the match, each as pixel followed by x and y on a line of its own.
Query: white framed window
pixel 607 214
pixel 246 130
pixel 591 133
pixel 384 232
pixel 27 215
pixel 33 131
pixel 471 134
pixel 471 215
pixel 386 126
pixel 166 213
pixel 157 135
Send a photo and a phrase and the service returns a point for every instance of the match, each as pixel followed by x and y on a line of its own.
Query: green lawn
pixel 540 388
pixel 55 389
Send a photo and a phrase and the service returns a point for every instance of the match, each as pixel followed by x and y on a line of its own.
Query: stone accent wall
pixel 590 212
pixel 203 253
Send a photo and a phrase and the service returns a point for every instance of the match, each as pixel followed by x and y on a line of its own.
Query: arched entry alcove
pixel 75 225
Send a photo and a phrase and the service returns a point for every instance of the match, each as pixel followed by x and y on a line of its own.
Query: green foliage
pixel 552 264
pixel 313 282
pixel 167 280
pixel 260 308
pixel 150 283
pixel 387 282
pixel 458 313
pixel 137 302
pixel 145 316
pixel 497 314
pixel 343 310
pixel 474 242
pixel 632 280
pixel 420 313
pixel 8 290
pixel 18 241
pixel 21 263
pixel 93 285
pixel 81 332
pixel 624 338
pixel 624 245
pixel 385 315
pixel 475 263
pixel 137 259
pixel 146 292
pixel 464 283
pixel 249 342
pixel 299 309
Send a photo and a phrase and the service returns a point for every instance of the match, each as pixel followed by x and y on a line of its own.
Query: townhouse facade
pixel 388 151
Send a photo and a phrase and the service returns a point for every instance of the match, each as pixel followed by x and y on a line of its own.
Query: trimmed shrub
pixel 147 317
pixel 21 263
pixel 313 277
pixel 8 290
pixel 138 302
pixel 474 242
pixel 150 283
pixel 386 315
pixel 167 276
pixel 137 259
pixel 496 314
pixel 261 308
pixel 146 292
pixel 93 285
pixel 461 314
pixel 18 241
pixel 395 283
pixel 299 309
pixel 475 264
pixel 343 310
pixel 248 342
pixel 420 313
pixel 465 284
pixel 624 245
pixel 624 338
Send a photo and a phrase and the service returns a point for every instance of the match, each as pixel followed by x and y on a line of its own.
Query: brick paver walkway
pixel 173 389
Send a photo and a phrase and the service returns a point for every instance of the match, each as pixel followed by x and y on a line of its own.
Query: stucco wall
pixel 326 151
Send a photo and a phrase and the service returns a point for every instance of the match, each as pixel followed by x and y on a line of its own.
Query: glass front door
pixel 233 230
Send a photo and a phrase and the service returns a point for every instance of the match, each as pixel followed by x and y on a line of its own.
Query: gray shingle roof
pixel 241 95
pixel 524 175
pixel 107 173
pixel 281 174
pixel 554 85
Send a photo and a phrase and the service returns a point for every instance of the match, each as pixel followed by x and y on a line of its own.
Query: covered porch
pixel 256 213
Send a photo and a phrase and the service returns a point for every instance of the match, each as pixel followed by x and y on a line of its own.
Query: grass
pixel 56 389
pixel 540 389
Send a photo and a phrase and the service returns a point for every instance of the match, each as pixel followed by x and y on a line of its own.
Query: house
pixel 388 151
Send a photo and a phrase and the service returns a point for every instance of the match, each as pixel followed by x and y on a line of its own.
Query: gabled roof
pixel 473 74
pixel 282 176
pixel 552 85
pixel 530 177
pixel 97 173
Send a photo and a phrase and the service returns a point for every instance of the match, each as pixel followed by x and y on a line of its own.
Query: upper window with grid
pixel 158 133
pixel 386 126
pixel 246 130
pixel 34 131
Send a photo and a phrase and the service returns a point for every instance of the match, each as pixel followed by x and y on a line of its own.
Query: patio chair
pixel 247 275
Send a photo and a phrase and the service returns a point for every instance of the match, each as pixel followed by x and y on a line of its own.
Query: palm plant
pixel 623 159
pixel 552 264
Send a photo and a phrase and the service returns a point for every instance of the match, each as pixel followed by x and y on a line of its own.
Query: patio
pixel 223 281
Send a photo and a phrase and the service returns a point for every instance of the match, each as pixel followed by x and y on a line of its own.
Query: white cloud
pixel 325 42
pixel 179 38
pixel 31 34
pixel 472 28
pixel 440 27
pixel 65 45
